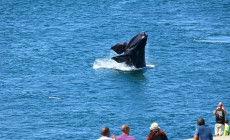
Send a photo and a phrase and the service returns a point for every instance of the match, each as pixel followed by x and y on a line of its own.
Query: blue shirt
pixel 204 132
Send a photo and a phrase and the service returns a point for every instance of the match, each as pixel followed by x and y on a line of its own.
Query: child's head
pixel 226 121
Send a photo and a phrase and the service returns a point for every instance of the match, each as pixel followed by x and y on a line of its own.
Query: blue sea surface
pixel 57 80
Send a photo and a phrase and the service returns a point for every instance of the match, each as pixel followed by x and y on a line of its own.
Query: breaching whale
pixel 133 51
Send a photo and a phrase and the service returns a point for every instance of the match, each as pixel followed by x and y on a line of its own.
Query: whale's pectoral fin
pixel 120 47
pixel 122 58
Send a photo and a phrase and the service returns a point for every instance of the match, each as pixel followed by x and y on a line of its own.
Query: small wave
pixel 214 39
pixel 54 98
pixel 111 64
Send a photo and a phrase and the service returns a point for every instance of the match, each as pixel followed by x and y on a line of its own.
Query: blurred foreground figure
pixel 202 132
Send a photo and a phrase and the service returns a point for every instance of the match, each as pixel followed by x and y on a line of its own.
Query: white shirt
pixel 104 138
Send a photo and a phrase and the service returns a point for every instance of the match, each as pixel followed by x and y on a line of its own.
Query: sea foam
pixel 107 63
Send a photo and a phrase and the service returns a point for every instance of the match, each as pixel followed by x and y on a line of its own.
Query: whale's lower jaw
pixel 131 61
pixel 140 66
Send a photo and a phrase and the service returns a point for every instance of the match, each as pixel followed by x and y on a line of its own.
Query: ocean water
pixel 57 80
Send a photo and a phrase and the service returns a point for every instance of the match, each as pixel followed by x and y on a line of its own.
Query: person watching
pixel 202 132
pixel 125 134
pixel 105 133
pixel 156 133
pixel 220 119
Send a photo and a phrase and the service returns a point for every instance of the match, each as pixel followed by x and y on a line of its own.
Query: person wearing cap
pixel 202 132
pixel 220 119
pixel 125 134
pixel 105 132
pixel 156 133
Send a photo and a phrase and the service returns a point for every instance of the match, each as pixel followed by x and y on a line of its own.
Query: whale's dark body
pixel 134 51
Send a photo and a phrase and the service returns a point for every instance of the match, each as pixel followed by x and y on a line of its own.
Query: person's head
pixel 226 121
pixel 220 104
pixel 105 131
pixel 125 129
pixel 154 127
pixel 200 122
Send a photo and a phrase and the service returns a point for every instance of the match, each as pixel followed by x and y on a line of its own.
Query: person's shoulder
pixel 203 127
pixel 162 132
pixel 131 138
pixel 196 130
pixel 119 136
pixel 105 138
pixel 128 137
pixel 206 126
pixel 220 109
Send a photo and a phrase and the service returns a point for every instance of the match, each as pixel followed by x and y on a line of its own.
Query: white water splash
pixel 108 63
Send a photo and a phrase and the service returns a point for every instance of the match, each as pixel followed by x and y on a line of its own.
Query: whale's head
pixel 138 41
pixel 134 51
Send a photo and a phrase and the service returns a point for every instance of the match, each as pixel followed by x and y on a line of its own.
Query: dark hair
pixel 200 121
pixel 226 120
pixel 105 131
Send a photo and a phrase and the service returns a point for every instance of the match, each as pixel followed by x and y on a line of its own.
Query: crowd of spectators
pixel 202 132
